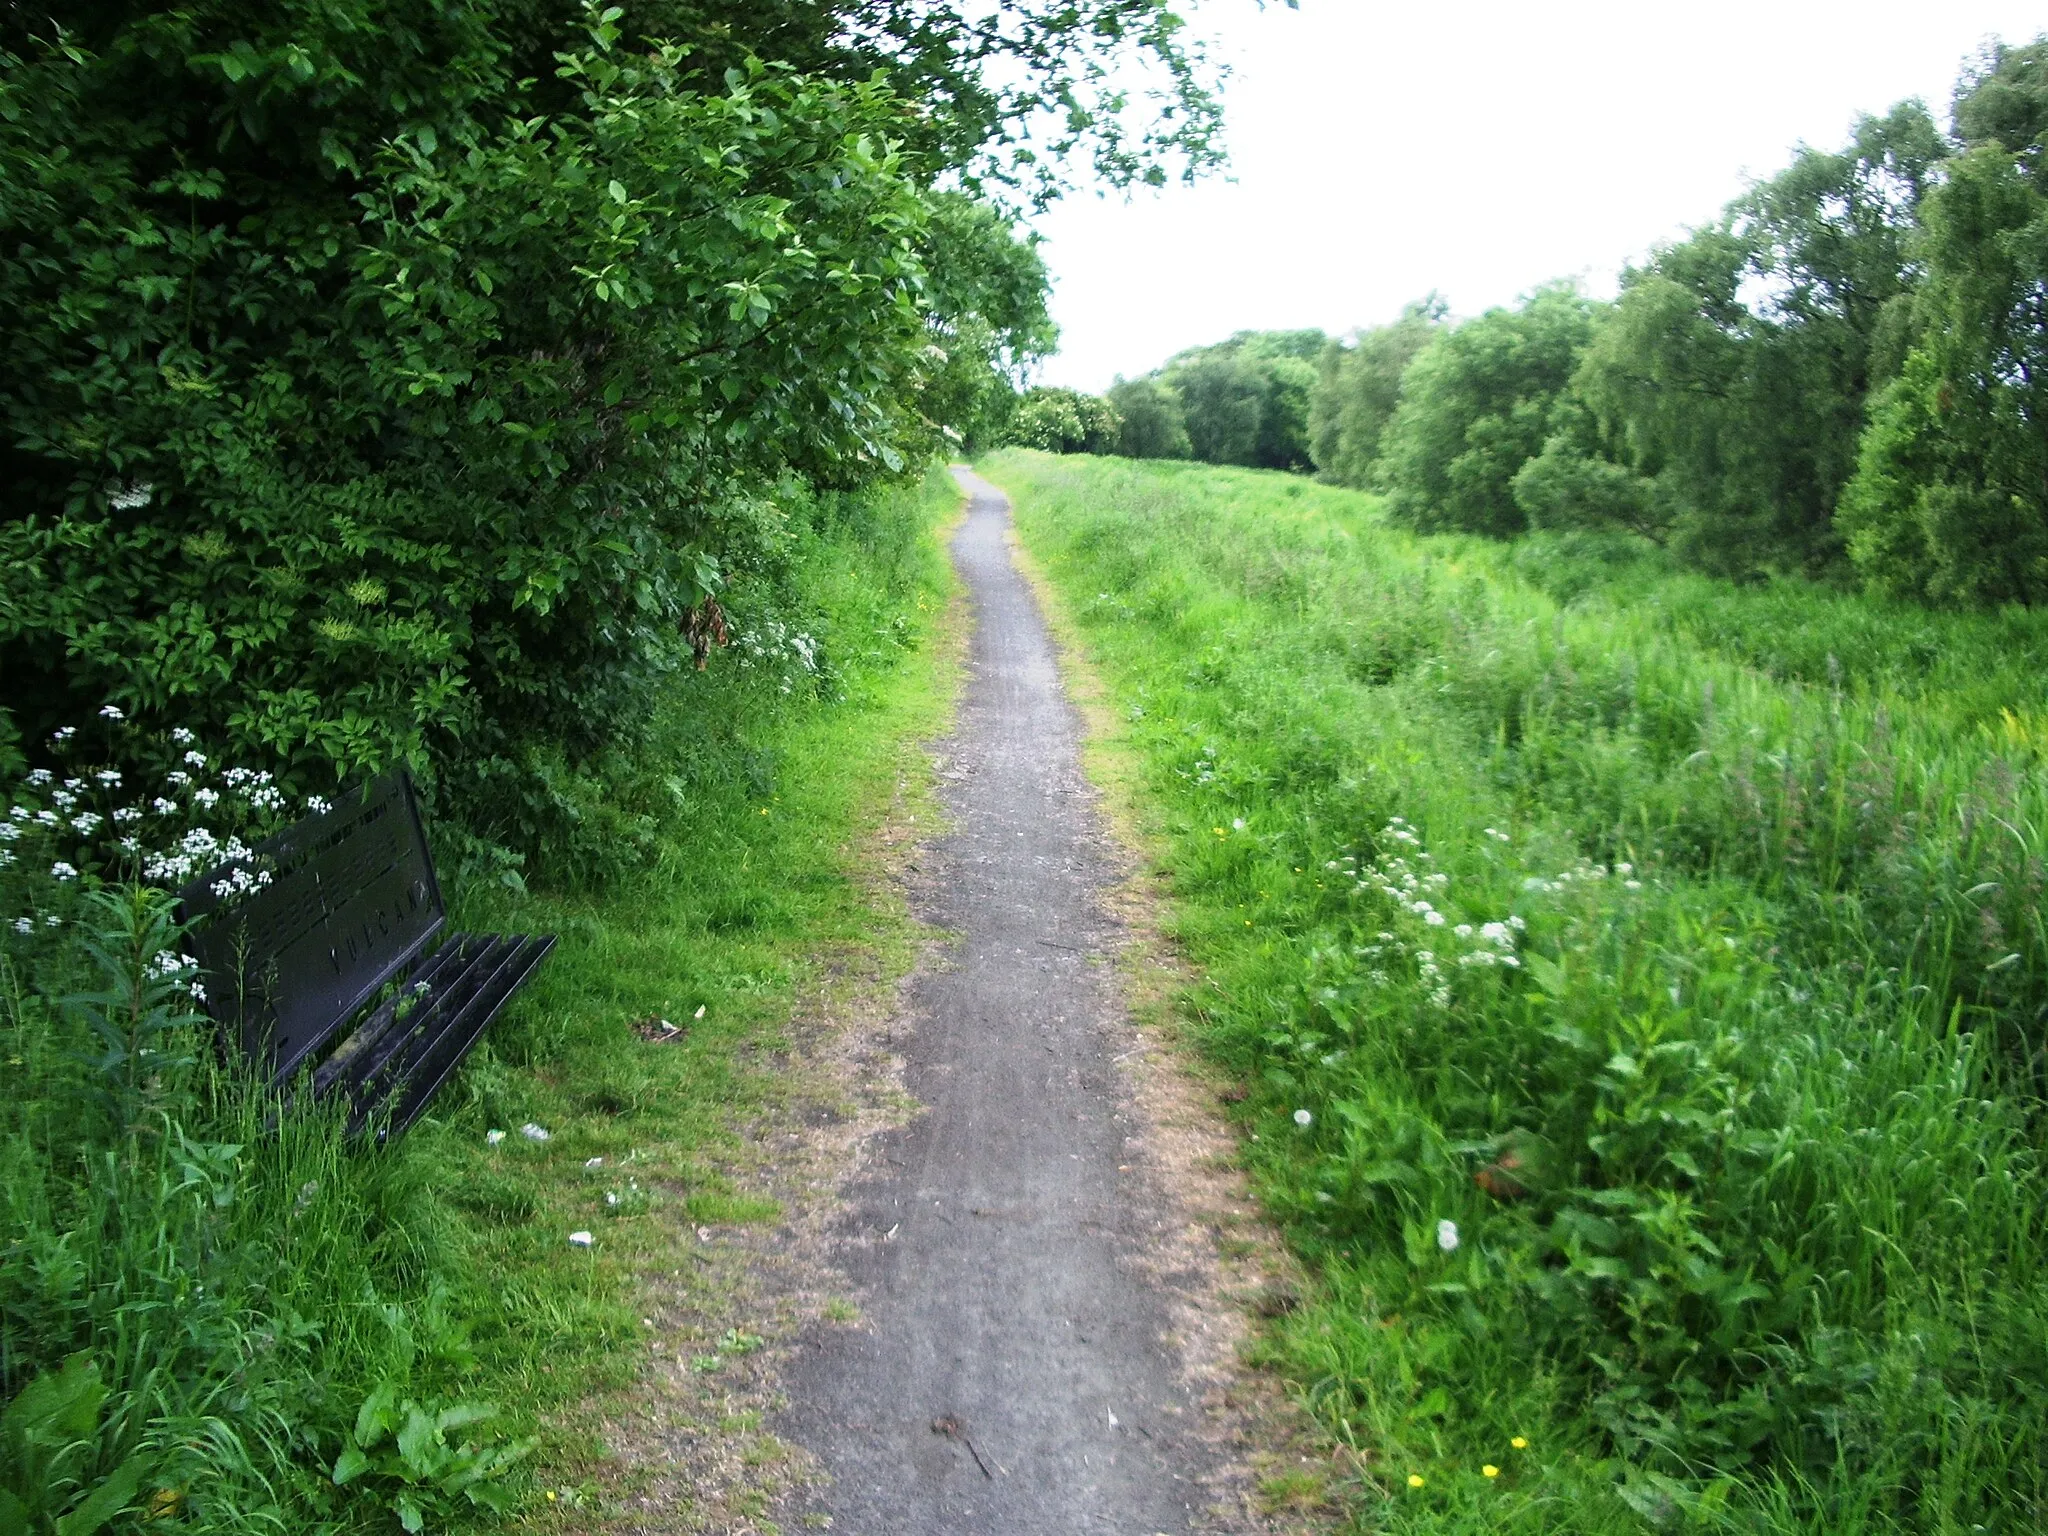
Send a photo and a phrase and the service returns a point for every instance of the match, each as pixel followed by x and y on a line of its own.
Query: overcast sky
pixel 1476 147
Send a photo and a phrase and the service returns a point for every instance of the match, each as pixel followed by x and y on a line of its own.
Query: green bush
pixel 1475 406
pixel 1063 421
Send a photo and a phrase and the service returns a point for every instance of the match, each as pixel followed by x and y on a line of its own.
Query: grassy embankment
pixel 1701 1189
pixel 242 1294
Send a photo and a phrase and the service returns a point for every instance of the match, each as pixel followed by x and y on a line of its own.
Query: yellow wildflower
pixel 1414 1479
pixel 1519 1443
pixel 1490 1470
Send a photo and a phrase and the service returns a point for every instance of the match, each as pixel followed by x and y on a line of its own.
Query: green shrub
pixel 372 403
pixel 1475 406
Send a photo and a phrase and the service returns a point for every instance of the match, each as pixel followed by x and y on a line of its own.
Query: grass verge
pixel 244 1308
pixel 1642 1041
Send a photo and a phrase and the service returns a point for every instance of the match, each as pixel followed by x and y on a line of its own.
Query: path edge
pixel 1182 1098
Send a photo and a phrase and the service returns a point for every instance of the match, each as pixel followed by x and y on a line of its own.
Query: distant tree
pixel 1246 400
pixel 1475 406
pixel 1734 368
pixel 1950 499
pixel 1064 421
pixel 1224 398
pixel 1356 388
pixel 1154 426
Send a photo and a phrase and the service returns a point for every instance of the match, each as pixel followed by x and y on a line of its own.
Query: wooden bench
pixel 338 965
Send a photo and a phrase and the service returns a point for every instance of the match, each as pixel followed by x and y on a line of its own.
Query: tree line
pixel 1844 375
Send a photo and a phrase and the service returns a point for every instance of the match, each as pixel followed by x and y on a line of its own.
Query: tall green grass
pixel 200 1315
pixel 1702 1190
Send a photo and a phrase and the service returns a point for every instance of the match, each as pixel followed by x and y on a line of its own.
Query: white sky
pixel 1382 148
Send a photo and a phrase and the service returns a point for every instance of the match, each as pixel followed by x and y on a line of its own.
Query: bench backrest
pixel 351 901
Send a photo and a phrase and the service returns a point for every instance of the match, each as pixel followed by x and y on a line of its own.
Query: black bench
pixel 344 934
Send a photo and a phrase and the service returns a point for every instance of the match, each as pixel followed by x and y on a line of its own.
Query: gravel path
pixel 1012 1374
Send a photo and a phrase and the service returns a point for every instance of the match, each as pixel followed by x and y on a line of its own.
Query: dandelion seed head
pixel 1303 1118
pixel 1447 1236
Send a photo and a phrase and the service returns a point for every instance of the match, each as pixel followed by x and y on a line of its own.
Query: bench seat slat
pixel 439 1055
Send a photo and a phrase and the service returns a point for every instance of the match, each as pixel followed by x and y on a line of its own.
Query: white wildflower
pixel 62 871
pixel 196 759
pixel 127 814
pixel 53 921
pixel 593 1162
pixel 1463 930
pixel 129 497
pixel 24 925
pixel 179 777
pixel 41 776
pixel 1434 919
pixel 1237 824
pixel 182 736
pixel 87 822
pixel 109 777
pixel 1632 885
pixel 1447 1236
pixel 1303 1118
pixel 318 805
pixel 205 799
pixel 111 712
pixel 163 806
pixel 65 733
pixel 8 832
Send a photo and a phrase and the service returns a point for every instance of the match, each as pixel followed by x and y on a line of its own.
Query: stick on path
pixel 1011 1377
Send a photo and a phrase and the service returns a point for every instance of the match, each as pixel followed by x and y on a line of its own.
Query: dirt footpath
pixel 1024 1360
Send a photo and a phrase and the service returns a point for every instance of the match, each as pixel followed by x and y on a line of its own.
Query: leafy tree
pixel 1734 368
pixel 1950 499
pixel 1475 406
pixel 1223 398
pixel 1065 421
pixel 1246 400
pixel 1357 386
pixel 402 381
pixel 1154 426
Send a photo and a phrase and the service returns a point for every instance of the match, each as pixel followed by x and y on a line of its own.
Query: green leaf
pixel 104 1502
pixel 1548 974
pixel 378 1415
pixel 350 1464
